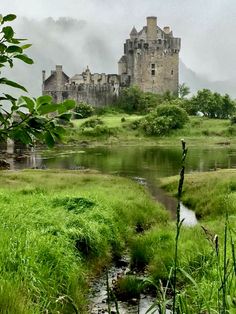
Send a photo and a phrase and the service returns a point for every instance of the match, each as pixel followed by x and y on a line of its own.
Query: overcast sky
pixel 96 29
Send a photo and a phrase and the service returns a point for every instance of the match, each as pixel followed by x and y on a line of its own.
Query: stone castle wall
pixel 150 61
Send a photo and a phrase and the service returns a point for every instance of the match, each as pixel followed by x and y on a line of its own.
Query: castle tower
pixel 151 59
pixel 151 29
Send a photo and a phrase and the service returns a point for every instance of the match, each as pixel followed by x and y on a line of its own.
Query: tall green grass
pixel 59 228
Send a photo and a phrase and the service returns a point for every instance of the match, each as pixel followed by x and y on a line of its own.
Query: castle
pixel 150 61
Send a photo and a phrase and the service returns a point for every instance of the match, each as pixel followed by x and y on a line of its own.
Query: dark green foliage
pixel 92 123
pixel 75 204
pixel 133 99
pixel 178 115
pixel 233 119
pixel 164 119
pixel 212 105
pixel 27 119
pixel 184 90
pixel 83 110
pixel 128 287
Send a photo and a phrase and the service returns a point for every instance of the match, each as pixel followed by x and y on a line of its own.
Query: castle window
pixel 153 72
pixel 172 72
pixel 153 66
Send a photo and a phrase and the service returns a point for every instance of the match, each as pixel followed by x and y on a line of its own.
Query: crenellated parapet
pixel 150 61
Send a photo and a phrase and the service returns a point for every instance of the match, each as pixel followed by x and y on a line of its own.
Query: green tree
pixel 184 90
pixel 26 119
pixel 212 105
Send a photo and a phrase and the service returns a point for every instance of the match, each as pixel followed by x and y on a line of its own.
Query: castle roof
pixel 123 59
pixel 133 32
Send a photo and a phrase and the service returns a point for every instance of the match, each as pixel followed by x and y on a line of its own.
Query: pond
pixel 141 163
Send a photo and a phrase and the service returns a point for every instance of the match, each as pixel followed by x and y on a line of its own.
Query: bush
pixel 164 119
pixel 83 110
pixel 92 123
pixel 178 115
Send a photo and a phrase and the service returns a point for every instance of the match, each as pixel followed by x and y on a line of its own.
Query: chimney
pixel 151 28
pixel 43 75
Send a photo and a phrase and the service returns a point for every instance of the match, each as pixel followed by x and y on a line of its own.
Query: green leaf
pixel 2 47
pixel 8 32
pixel 9 17
pixel 29 103
pixel 69 104
pixel 3 59
pixel 26 46
pixel 13 49
pixel 12 84
pixel 21 135
pixel 47 108
pixel 24 58
pixel 66 106
pixel 65 116
pixel 49 139
pixel 46 99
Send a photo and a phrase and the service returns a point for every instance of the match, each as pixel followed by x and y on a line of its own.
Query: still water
pixel 132 161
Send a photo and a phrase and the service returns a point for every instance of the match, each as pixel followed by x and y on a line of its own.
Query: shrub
pixel 233 119
pixel 83 110
pixel 92 123
pixel 164 119
pixel 178 115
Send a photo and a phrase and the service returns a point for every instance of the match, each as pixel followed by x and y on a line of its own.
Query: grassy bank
pixel 119 129
pixel 209 194
pixel 60 228
pixel 206 277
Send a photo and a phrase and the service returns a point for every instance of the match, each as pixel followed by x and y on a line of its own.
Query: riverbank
pixel 119 129
pixel 59 228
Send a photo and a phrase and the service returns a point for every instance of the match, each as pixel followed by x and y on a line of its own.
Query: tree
pixel 26 119
pixel 184 90
pixel 212 105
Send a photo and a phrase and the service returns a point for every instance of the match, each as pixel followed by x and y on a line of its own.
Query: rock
pixel 4 165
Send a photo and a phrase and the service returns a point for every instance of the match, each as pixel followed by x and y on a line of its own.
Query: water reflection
pixel 139 161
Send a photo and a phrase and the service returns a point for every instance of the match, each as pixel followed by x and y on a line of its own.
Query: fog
pixel 80 33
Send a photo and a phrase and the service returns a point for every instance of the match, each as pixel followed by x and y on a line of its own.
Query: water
pixel 144 164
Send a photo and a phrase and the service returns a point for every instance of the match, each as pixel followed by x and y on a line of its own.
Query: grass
pixel 207 193
pixel 59 228
pixel 196 131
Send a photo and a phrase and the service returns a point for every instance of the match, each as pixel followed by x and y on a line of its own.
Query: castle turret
pixel 133 34
pixel 151 28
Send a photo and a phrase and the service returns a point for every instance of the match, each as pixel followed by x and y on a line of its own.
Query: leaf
pixel 8 32
pixel 3 59
pixel 47 108
pixel 69 104
pixel 65 116
pixel 46 99
pixel 22 135
pixel 13 49
pixel 26 46
pixel 9 17
pixel 24 58
pixel 29 103
pixel 2 47
pixel 12 84
pixel 49 139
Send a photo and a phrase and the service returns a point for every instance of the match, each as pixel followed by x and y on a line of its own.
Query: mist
pixel 92 33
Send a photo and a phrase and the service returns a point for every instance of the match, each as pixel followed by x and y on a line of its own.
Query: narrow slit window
pixel 172 72
pixel 153 72
pixel 153 65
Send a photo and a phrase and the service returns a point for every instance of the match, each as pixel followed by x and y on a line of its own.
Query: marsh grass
pixel 59 228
